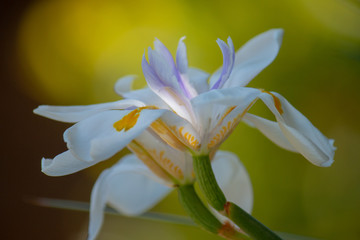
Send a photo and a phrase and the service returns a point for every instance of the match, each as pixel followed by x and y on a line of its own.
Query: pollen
pixel 276 102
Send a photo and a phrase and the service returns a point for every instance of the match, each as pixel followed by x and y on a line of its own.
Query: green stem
pixel 197 210
pixel 207 182
pixel 216 198
pixel 203 217
pixel 248 223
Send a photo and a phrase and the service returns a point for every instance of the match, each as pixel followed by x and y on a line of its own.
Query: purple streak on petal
pixel 151 77
pixel 181 57
pixel 165 53
pixel 228 61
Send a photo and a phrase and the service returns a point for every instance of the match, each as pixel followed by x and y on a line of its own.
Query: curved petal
pixel 299 131
pixel 74 114
pixel 129 187
pixel 181 57
pixel 228 63
pixel 102 135
pixel 198 79
pixel 254 56
pixel 233 179
pixel 177 132
pixel 270 129
pixel 166 162
pixel 213 107
pixel 124 84
pixel 63 164
pixel 168 91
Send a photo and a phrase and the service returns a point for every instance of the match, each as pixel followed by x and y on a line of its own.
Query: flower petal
pixel 123 87
pixel 124 84
pixel 102 135
pixel 63 164
pixel 254 56
pixel 270 129
pixel 233 179
pixel 198 79
pixel 181 57
pixel 228 63
pixel 177 132
pixel 169 164
pixel 129 187
pixel 73 114
pixel 211 107
pixel 167 91
pixel 299 131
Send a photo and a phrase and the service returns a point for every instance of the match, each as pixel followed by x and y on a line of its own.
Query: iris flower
pixel 183 112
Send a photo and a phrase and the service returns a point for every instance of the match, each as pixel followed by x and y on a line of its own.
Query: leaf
pixel 84 207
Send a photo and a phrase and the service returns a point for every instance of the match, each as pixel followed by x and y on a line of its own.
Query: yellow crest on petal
pixel 277 102
pixel 130 120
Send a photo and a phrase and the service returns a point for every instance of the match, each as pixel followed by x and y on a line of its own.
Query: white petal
pixel 148 97
pixel 162 159
pixel 96 138
pixel 128 187
pixel 181 129
pixel 210 106
pixel 270 129
pixel 233 179
pixel 124 84
pixel 77 113
pixel 63 164
pixel 299 131
pixel 198 79
pixel 254 56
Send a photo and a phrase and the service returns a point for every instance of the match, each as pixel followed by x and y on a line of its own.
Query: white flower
pixel 184 112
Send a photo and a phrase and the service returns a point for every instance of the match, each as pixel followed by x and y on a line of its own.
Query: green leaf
pixel 84 207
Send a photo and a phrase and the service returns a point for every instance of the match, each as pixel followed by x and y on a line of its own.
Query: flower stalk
pixel 216 198
pixel 207 182
pixel 248 224
pixel 202 216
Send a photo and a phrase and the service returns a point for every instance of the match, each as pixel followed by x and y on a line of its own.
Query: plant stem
pixel 216 198
pixel 197 210
pixel 203 217
pixel 248 223
pixel 207 182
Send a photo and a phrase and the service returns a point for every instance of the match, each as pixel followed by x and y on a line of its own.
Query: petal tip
pixel 328 163
pixel 278 34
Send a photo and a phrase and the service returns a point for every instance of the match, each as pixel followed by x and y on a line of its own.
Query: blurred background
pixel 69 52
